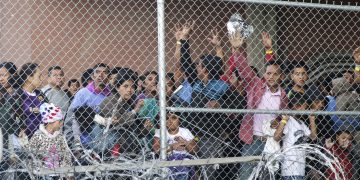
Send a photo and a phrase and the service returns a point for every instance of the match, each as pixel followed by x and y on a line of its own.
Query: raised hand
pixel 177 32
pixel 187 29
pixel 266 40
pixel 214 38
pixel 236 39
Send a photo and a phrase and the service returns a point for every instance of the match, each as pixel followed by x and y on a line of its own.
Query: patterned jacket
pixel 50 149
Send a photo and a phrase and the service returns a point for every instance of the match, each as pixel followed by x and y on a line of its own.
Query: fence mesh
pixel 79 89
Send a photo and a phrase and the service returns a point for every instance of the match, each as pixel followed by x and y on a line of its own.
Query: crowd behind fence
pixel 276 82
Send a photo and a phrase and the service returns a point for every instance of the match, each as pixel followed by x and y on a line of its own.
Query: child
pixel 181 145
pixel 47 142
pixel 340 149
pixel 293 131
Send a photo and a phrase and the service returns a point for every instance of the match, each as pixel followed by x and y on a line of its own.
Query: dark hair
pixel 299 64
pixel 123 76
pixel 147 73
pixel 275 63
pixel 53 68
pixel 115 70
pixel 86 76
pixel 27 70
pixel 298 99
pixel 71 81
pixel 213 65
pixel 101 65
pixel 10 67
pixel 172 78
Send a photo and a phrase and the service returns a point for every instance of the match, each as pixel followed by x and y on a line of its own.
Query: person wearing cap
pixel 48 143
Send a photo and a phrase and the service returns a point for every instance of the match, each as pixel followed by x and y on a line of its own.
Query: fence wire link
pixel 79 94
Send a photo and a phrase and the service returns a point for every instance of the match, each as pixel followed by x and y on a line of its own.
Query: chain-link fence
pixel 251 88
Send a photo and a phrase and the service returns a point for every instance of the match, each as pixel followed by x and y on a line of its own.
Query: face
pixel 344 140
pixel 179 77
pixel 112 79
pixel 36 79
pixel 56 78
pixel 100 75
pixel 126 90
pixel 299 76
pixel 273 75
pixel 150 83
pixel 173 122
pixel 317 105
pixel 169 87
pixel 74 87
pixel 4 77
pixel 348 77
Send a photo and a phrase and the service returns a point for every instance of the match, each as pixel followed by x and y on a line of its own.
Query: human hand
pixel 177 32
pixel 236 39
pixel 312 118
pixel 148 125
pixel 329 143
pixel 178 146
pixel 266 40
pixel 213 104
pixel 139 105
pixel 187 29
pixel 214 38
pixel 274 124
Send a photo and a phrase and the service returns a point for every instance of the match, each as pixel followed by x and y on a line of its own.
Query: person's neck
pixel 98 86
pixel 274 89
pixel 297 88
pixel 172 132
pixel 49 129
pixel 205 80
pixel 28 87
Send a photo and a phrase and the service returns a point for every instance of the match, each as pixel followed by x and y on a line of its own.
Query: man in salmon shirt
pixel 262 93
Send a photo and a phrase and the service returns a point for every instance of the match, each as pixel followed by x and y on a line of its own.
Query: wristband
pixel 357 67
pixel 178 42
pixel 283 121
pixel 269 51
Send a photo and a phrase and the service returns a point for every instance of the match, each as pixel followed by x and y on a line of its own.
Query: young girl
pixel 28 100
pixel 48 143
pixel 341 150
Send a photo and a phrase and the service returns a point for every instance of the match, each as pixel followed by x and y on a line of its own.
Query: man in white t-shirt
pixel 180 143
pixel 294 131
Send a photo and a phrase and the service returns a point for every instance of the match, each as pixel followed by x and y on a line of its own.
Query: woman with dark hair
pixel 29 98
pixel 7 73
pixel 114 110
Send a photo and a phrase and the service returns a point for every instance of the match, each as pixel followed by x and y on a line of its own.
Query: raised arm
pixel 240 61
pixel 267 42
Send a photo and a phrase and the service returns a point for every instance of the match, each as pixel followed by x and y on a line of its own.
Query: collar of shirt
pixel 106 91
pixel 277 93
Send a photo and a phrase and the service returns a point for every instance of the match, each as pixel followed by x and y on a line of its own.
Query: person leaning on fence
pixel 262 93
pixel 53 90
pixel 90 96
pixel 180 146
pixel 48 144
pixel 292 130
pixel 116 110
pixel 28 100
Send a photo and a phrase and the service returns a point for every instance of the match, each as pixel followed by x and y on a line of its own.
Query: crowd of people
pixel 117 105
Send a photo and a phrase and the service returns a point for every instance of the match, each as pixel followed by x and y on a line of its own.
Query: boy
pixel 293 131
pixel 47 142
pixel 181 145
